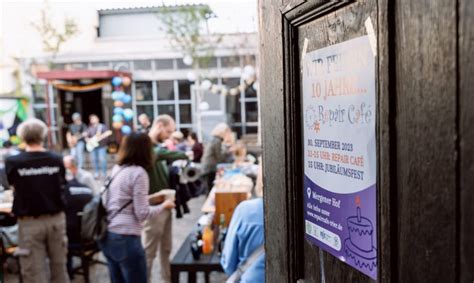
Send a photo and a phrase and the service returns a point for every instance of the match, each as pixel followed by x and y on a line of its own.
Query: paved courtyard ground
pixel 181 228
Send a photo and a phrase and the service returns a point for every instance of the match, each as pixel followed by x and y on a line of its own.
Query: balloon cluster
pixel 248 78
pixel 121 115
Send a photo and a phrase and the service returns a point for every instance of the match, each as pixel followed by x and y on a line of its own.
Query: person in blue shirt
pixel 244 236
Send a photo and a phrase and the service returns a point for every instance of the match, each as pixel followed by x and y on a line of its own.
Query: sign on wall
pixel 340 152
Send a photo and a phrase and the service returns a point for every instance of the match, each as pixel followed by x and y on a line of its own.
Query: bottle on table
pixel 207 238
pixel 222 232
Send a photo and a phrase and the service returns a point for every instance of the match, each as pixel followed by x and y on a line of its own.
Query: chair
pixel 7 247
pixel 86 252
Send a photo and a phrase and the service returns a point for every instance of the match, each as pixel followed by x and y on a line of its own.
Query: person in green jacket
pixel 157 230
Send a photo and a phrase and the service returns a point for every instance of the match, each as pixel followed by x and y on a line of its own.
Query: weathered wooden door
pixel 425 167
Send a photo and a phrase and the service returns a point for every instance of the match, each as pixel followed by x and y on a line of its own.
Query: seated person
pixel 77 196
pixel 82 176
pixel 244 236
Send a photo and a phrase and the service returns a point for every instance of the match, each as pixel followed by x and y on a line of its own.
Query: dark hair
pixel 193 136
pixel 136 149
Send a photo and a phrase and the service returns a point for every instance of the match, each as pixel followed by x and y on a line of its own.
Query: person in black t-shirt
pixel 76 138
pixel 77 196
pixel 38 180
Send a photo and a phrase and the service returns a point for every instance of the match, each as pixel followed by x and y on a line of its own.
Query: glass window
pixel 147 109
pixel 251 111
pixel 41 113
pixel 165 90
pixel 181 65
pixel 250 91
pixel 186 131
pixel 251 130
pixel 164 64
pixel 58 66
pixel 100 65
pixel 185 114
pixel 142 65
pixel 250 60
pixel 184 90
pixel 167 109
pixel 214 100
pixel 38 91
pixel 56 116
pixel 207 62
pixel 121 66
pixel 231 61
pixel 143 91
pixel 237 130
pixel 231 82
pixel 77 66
pixel 234 109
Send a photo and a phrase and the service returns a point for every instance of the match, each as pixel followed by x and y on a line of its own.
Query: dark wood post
pixel 425 136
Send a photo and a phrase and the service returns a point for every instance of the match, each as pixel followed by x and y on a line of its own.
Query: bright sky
pixel 16 16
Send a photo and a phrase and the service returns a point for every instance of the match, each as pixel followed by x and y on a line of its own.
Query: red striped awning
pixel 81 74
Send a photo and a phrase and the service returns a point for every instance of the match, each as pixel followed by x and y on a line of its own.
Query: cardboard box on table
pixel 224 201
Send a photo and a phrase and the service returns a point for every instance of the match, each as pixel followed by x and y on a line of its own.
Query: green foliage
pixel 52 37
pixel 187 28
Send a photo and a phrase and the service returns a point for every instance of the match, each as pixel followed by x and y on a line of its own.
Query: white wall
pixel 19 39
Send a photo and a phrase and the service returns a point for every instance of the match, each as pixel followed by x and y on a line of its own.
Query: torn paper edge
pixel 303 54
pixel 371 34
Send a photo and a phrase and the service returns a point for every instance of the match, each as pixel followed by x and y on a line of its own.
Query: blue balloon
pixel 127 98
pixel 118 110
pixel 126 130
pixel 117 95
pixel 128 114
pixel 116 81
pixel 117 118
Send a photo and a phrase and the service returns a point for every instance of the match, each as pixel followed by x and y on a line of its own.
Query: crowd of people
pixel 50 191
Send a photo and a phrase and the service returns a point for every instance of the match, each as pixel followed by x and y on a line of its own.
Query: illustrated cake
pixel 359 247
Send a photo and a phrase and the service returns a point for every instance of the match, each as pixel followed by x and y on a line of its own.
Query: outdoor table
pixel 183 261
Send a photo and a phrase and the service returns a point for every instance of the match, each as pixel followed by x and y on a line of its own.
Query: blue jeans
pixel 99 157
pixel 78 152
pixel 125 258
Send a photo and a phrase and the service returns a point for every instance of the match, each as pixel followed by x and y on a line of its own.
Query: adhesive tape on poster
pixel 369 27
pixel 303 53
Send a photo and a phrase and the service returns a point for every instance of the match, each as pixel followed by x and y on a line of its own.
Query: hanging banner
pixel 340 152
pixel 13 111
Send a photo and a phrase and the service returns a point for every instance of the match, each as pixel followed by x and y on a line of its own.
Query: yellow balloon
pixel 15 140
pixel 117 125
pixel 118 103
pixel 126 81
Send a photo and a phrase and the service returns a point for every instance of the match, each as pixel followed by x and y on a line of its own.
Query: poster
pixel 12 113
pixel 340 152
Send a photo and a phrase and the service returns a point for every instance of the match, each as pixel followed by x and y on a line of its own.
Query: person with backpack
pixel 127 207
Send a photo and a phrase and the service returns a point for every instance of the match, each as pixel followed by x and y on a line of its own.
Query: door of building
pixel 422 65
pixel 85 103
